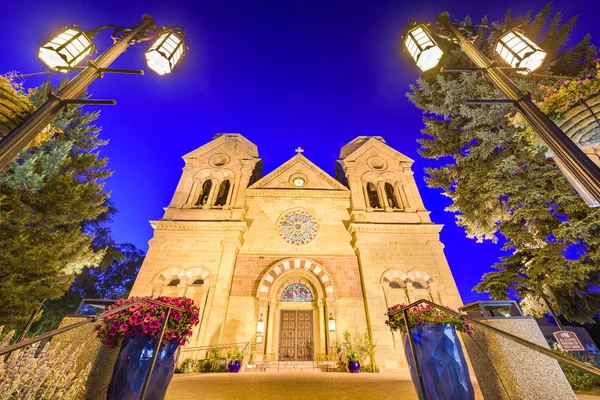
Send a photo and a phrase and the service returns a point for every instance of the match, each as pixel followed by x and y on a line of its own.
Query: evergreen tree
pixel 500 181
pixel 52 203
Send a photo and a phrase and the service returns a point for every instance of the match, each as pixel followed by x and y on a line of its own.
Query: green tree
pixel 52 202
pixel 500 181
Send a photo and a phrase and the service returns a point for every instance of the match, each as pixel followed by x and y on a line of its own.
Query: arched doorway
pixel 296 297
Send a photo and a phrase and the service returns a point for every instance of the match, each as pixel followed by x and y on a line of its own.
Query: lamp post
pixel 65 51
pixel 524 56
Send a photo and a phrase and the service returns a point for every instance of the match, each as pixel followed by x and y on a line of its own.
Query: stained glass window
pixel 296 292
pixel 297 227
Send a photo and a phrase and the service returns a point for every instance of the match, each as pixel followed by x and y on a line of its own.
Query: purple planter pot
pixel 234 366
pixel 354 367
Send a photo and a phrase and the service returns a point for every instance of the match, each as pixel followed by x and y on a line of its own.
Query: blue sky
pixel 314 74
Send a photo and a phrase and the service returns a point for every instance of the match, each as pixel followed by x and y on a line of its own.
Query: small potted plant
pixel 235 358
pixel 353 362
pixel 437 350
pixel 136 330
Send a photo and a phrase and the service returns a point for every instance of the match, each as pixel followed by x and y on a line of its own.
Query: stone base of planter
pixel 101 357
pixel 512 371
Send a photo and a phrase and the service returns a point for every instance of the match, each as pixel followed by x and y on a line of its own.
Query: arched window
pixel 391 198
pixel 418 285
pixel 174 282
pixel 296 292
pixel 396 285
pixel 198 282
pixel 223 193
pixel 203 198
pixel 373 196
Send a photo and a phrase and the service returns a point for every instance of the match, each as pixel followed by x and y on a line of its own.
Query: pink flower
pixel 123 327
pixel 176 316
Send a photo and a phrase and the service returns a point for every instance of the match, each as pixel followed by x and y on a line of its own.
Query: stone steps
pixel 292 366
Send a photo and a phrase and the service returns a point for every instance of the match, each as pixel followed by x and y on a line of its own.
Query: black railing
pixel 532 346
pixel 94 318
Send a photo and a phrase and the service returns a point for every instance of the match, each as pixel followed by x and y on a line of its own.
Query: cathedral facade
pixel 290 260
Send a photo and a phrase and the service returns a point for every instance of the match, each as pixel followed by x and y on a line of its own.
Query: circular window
pixel 297 227
pixel 299 181
pixel 219 160
pixel 377 163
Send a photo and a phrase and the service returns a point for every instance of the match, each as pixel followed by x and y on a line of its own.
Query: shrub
pixel 357 347
pixel 46 373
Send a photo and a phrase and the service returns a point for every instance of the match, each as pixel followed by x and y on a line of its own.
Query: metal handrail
pixel 94 318
pixel 540 349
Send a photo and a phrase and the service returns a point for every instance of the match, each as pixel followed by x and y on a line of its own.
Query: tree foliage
pixel 52 203
pixel 501 183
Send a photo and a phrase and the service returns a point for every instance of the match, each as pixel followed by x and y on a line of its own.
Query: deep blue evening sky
pixel 284 74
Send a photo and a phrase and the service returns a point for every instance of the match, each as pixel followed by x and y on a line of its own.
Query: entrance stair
pixel 292 366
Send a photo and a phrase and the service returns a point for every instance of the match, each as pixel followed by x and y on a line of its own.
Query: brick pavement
pixel 292 385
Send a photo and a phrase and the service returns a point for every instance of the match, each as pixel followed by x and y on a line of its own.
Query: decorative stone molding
pixel 224 226
pixel 292 264
pixel 357 227
pixel 186 276
pixel 296 193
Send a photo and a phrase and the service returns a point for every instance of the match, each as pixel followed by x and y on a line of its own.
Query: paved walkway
pixel 292 385
pixel 296 385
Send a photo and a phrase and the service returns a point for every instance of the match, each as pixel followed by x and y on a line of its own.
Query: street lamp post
pixel 582 172
pixel 72 46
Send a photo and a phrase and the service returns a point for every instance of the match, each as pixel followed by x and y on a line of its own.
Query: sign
pixel 568 341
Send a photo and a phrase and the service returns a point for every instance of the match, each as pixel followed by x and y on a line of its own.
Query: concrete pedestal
pixel 101 357
pixel 507 370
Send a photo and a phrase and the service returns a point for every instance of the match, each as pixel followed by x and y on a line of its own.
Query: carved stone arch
pixel 193 274
pixel 204 174
pixel 304 278
pixel 370 176
pixel 421 277
pixel 392 274
pixel 295 264
pixel 390 177
pixel 165 276
pixel 224 174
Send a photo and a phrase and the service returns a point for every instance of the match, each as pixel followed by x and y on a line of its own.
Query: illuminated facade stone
pixel 221 243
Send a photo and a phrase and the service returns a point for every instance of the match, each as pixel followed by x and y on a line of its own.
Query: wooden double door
pixel 296 335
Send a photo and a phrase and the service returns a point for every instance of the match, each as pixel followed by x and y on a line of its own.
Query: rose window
pixel 297 227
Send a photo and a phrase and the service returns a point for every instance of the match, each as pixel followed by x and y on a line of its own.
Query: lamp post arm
pixel 22 135
pixel 579 165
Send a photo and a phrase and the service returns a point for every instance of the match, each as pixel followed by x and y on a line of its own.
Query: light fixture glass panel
pixel 165 53
pixel 422 48
pixel 66 50
pixel 519 51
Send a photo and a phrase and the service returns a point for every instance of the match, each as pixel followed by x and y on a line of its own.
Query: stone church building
pixel 290 260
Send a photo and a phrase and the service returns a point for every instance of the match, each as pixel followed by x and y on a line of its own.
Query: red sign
pixel 568 341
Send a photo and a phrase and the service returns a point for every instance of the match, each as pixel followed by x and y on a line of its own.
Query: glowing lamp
pixel 66 50
pixel 520 52
pixel 331 324
pixel 260 327
pixel 165 53
pixel 422 48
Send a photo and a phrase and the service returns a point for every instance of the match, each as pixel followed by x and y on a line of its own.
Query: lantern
pixel 165 53
pixel 520 52
pixel 260 329
pixel 66 50
pixel 331 324
pixel 422 48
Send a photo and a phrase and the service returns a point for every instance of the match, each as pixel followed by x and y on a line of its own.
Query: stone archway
pixel 277 311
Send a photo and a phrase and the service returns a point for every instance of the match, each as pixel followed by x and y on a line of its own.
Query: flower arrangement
pixel 425 314
pixel 560 100
pixel 146 319
pixel 235 355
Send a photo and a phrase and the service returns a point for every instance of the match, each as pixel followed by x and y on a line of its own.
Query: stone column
pixel 382 197
pixel 263 307
pixel 184 188
pixel 358 195
pixel 212 196
pixel 408 205
pixel 239 198
pixel 222 287
pixel 193 194
pixel 413 191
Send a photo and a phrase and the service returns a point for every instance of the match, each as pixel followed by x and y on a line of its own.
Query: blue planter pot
pixel 354 367
pixel 234 366
pixel 442 363
pixel 133 364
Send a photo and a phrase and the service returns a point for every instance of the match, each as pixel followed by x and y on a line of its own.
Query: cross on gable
pixel 299 150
